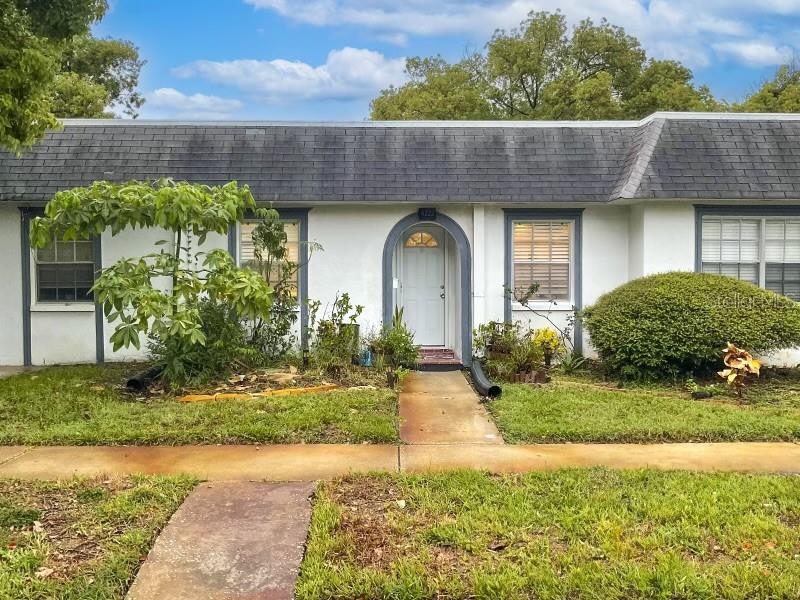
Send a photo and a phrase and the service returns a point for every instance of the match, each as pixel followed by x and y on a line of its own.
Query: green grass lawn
pixel 578 534
pixel 83 405
pixel 588 411
pixel 81 539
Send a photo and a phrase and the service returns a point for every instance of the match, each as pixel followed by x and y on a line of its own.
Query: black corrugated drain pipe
pixel 140 382
pixel 481 382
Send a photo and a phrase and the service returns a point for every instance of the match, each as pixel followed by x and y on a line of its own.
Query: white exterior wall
pixel 62 336
pixel 352 238
pixel 662 238
pixel 619 243
pixel 492 281
pixel 11 299
pixel 606 243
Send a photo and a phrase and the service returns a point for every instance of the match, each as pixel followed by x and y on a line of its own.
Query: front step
pixel 438 359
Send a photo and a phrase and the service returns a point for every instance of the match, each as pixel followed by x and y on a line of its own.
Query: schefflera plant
pixel 129 290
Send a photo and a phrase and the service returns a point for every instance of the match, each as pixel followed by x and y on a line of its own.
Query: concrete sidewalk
pixel 230 540
pixel 441 408
pixel 325 461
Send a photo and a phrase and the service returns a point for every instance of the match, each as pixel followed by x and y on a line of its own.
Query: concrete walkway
pixel 228 541
pixel 441 408
pixel 325 461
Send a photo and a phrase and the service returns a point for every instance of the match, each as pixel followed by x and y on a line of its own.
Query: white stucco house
pixel 437 217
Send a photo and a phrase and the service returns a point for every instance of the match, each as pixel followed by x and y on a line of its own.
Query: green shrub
pixel 394 345
pixel 679 323
pixel 509 348
pixel 333 339
pixel 226 348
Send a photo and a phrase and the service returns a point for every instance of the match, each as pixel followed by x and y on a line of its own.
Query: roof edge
pixel 668 116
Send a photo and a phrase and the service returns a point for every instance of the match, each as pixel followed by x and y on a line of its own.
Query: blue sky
pixel 325 59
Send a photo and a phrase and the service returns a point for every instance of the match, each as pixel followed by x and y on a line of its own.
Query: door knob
pixel 441 295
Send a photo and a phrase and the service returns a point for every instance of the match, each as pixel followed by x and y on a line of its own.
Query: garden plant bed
pixel 86 405
pixel 583 409
pixel 80 538
pixel 274 379
pixel 565 534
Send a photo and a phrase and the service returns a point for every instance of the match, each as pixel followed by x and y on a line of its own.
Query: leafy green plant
pixel 129 290
pixel 226 348
pixel 274 334
pixel 571 362
pixel 528 299
pixel 334 337
pixel 507 349
pixel 673 324
pixel 394 345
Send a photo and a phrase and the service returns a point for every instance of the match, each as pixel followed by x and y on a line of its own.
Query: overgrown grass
pixel 82 405
pixel 582 534
pixel 587 411
pixel 81 539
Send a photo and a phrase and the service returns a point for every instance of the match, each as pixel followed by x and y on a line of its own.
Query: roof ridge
pixel 642 154
pixel 659 115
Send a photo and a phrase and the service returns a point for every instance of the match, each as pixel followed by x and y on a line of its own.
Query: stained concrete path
pixel 229 541
pixel 754 457
pixel 441 408
pixel 324 461
pixel 279 462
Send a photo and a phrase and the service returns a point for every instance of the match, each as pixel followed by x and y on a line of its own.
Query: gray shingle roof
pixel 667 156
pixel 739 159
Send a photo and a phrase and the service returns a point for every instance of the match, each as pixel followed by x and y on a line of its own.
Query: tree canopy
pixel 779 94
pixel 543 70
pixel 51 66
pixel 97 74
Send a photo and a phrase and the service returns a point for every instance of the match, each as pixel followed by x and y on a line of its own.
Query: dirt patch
pixel 382 527
pixel 271 379
pixel 59 512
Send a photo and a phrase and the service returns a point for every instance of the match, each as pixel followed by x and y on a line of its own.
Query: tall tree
pixel 51 66
pixel 31 34
pixel 543 71
pixel 779 94
pixel 92 67
pixel 436 90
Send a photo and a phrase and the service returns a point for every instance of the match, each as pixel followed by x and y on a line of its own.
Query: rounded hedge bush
pixel 678 323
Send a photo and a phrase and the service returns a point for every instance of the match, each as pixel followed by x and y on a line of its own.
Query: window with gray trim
pixel 246 252
pixel 65 271
pixel 762 250
pixel 542 254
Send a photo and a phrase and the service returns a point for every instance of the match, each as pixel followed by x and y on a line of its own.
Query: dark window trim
pixel 546 214
pixel 26 214
pixel 25 224
pixel 289 214
pixel 701 210
pixel 93 262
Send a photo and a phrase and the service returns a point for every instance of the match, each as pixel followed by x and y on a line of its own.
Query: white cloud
pixel 349 73
pixel 680 29
pixel 194 106
pixel 397 38
pixel 755 53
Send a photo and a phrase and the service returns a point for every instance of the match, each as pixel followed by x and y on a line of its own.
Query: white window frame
pixel 542 303
pixel 39 305
pixel 762 238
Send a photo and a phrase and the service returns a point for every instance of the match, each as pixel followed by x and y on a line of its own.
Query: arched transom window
pixel 421 239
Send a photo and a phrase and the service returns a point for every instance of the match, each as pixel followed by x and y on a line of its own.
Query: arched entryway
pixel 427 270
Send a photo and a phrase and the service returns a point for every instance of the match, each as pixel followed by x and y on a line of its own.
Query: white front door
pixel 423 284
